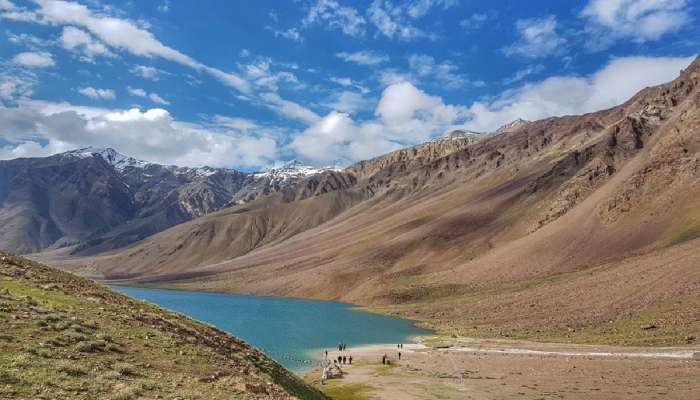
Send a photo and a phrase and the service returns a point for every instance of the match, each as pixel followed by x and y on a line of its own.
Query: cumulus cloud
pixel 93 93
pixel 363 57
pixel 404 114
pixel 538 38
pixel 335 16
pixel 36 128
pixel 638 20
pixel 616 82
pixel 33 59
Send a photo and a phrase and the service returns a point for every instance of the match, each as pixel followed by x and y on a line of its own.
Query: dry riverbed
pixel 497 369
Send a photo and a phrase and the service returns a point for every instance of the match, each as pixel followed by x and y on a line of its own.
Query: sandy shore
pixel 497 369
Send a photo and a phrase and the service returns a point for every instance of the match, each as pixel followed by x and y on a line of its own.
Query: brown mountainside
pixel 594 216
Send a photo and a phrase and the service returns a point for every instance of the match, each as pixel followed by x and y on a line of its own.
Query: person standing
pixel 399 356
pixel 350 360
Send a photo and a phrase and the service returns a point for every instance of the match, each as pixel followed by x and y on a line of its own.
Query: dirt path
pixel 490 369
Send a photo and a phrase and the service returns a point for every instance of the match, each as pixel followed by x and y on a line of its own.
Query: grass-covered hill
pixel 65 337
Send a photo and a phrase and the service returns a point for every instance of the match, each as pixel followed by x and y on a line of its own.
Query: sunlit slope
pixel 67 337
pixel 426 228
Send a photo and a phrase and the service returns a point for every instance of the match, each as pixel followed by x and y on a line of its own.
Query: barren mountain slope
pixel 431 228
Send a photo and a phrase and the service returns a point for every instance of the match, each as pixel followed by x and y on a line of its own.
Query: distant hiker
pixel 340 359
pixel 326 354
pixel 399 356
pixel 384 359
pixel 350 360
pixel 398 346
pixel 345 359
pixel 340 347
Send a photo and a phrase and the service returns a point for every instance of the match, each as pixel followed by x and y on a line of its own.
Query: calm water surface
pixel 288 330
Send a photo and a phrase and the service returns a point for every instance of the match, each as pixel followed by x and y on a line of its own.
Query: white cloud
pixel 637 20
pixel 147 72
pixel 136 92
pixel 333 15
pixel 445 73
pixel 538 38
pixel 78 40
pixel 118 33
pixel 30 41
pixel 289 108
pixel 419 8
pixel 34 59
pixel 291 34
pixel 6 5
pixel 477 20
pixel 16 85
pixel 524 73
pixel 164 7
pixel 391 21
pixel 350 102
pixel 260 73
pixel 341 81
pixel 405 115
pixel 157 99
pixel 154 97
pixel 93 93
pixel 150 135
pixel 563 95
pixel 363 57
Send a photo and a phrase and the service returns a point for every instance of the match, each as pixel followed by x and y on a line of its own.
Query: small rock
pixel 647 327
pixel 690 338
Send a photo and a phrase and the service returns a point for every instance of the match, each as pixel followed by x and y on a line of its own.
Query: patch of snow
pixel 293 170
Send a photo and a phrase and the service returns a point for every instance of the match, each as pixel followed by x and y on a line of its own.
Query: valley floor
pixel 462 368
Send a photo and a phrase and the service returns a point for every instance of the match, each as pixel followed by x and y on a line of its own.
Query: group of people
pixel 344 359
pixel 385 357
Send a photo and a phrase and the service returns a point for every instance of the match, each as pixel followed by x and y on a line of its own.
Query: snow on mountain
pixel 293 170
pixel 111 156
pixel 513 125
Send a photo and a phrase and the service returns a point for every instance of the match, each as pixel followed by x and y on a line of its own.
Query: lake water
pixel 291 331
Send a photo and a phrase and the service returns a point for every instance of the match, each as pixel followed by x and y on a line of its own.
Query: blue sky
pixel 251 84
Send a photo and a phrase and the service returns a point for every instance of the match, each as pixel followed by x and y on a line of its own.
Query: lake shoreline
pixel 484 368
pixel 292 331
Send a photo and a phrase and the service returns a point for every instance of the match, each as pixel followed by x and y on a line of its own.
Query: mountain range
pixel 90 200
pixel 577 227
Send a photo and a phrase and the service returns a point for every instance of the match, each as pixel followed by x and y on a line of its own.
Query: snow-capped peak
pixel 294 169
pixel 111 156
pixel 512 125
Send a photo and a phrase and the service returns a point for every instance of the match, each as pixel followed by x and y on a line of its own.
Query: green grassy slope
pixel 67 337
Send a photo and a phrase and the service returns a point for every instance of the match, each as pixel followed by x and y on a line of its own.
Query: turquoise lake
pixel 291 331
